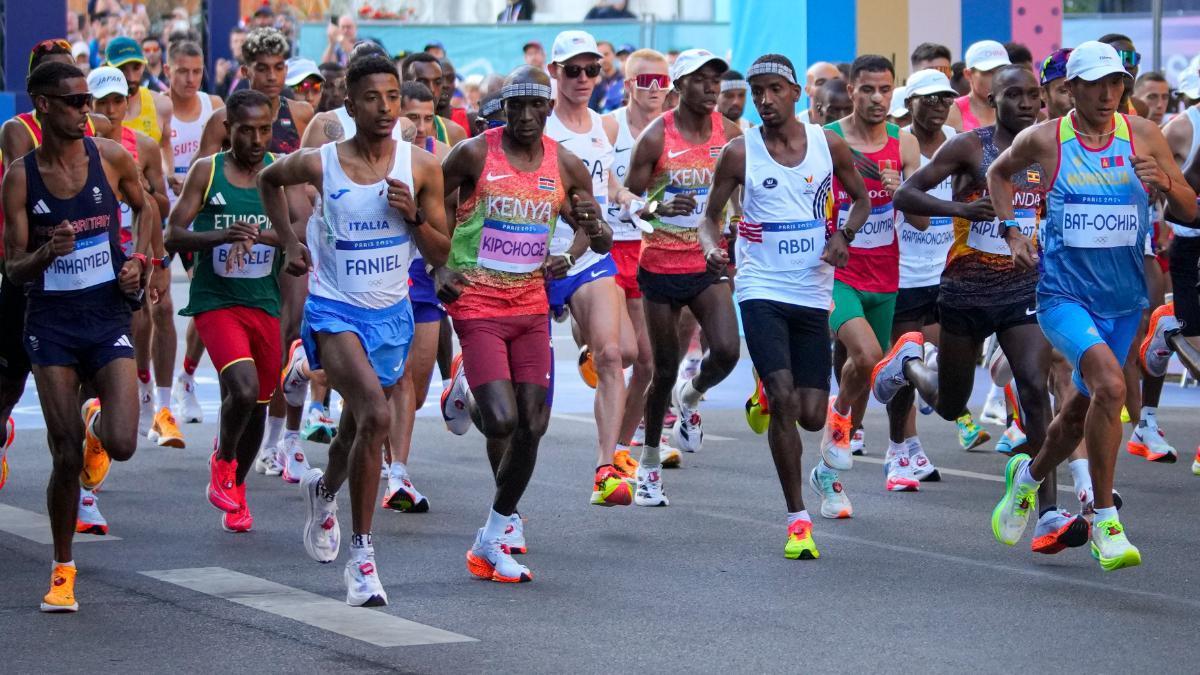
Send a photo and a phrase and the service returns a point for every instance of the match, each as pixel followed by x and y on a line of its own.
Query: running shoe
pixel 183 399
pixel 363 588
pixel 9 435
pixel 970 435
pixel 222 483
pixel 800 544
pixel 145 408
pixel 898 474
pixel 295 463
pixel 164 431
pixel 834 502
pixel 835 441
pixel 669 457
pixel 689 367
pixel 315 427
pixel 626 465
pixel 61 596
pixel 858 443
pixel 240 520
pixel 1156 349
pixel 1111 548
pixel 888 378
pixel 639 435
pixel 922 467
pixel 1087 504
pixel 455 409
pixel 1011 514
pixel 401 495
pixel 293 383
pixel 587 367
pixel 1012 439
pixel 1196 463
pixel 758 413
pixel 322 538
pixel 649 487
pixel 89 520
pixel 1057 529
pixel 687 434
pixel 267 462
pixel 610 488
pixel 1151 444
pixel 1125 418
pixel 487 560
pixel 512 541
pixel 96 461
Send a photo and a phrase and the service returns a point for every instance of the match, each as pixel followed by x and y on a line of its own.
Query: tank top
pixel 147 118
pixel 923 254
pixel 86 278
pixel 439 129
pixel 503 234
pixel 349 128
pixel 1193 115
pixel 361 247
pixel 593 148
pixel 979 269
pixel 874 265
pixel 285 137
pixel 622 151
pixel 129 142
pixel 185 141
pixel 673 247
pixel 969 120
pixel 256 284
pixel 783 232
pixel 1096 220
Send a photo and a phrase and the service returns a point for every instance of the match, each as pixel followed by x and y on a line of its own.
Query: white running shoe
pixel 266 463
pixel 858 443
pixel 294 462
pixel 690 366
pixel 488 560
pixel 512 541
pixel 401 495
pixel 688 432
pixel 322 538
pixel 898 474
pixel 294 383
pixel 922 467
pixel 90 520
pixel 183 399
pixel 834 502
pixel 363 588
pixel 994 411
pixel 145 407
pixel 649 490
pixel 455 404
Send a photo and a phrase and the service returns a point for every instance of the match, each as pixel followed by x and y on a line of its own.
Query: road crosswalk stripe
pixel 36 526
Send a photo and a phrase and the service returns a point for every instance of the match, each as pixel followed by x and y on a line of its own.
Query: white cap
pixel 928 81
pixel 300 69
pixel 107 80
pixel 899 95
pixel 571 43
pixel 1189 84
pixel 692 60
pixel 1093 60
pixel 986 55
pixel 80 49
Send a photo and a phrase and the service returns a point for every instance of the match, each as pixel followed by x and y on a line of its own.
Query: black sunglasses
pixel 572 71
pixel 72 100
pixel 936 99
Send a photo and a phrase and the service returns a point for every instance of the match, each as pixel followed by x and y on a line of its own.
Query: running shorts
pixel 676 290
pixel 236 334
pixel 1072 330
pixel 978 323
pixel 782 336
pixel 385 334
pixel 559 291
pixel 511 348
pixel 625 254
pixel 87 339
pixel 917 305
pixel 851 303
pixel 14 361
pixel 1184 256
pixel 425 305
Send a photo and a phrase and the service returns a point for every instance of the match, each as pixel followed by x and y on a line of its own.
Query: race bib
pixel 988 236
pixel 367 265
pixel 256 264
pixel 688 220
pixel 791 246
pixel 512 247
pixel 879 230
pixel 90 264
pixel 1099 221
pixel 933 242
pixel 564 234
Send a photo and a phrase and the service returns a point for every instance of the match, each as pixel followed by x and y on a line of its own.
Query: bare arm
pixel 1028 147
pixel 15 141
pixel 302 166
pixel 191 200
pixel 956 155
pixel 851 180
pixel 455 134
pixel 432 236
pixel 910 160
pixel 302 114
pixel 213 138
pixel 646 151
pixel 324 128
pixel 729 174
pixel 954 118
pixel 152 169
pixel 20 264
pixel 165 111
pixel 1163 174
pixel 582 211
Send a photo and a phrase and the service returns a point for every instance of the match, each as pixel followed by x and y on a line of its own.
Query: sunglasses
pixel 573 70
pixel 935 99
pixel 55 46
pixel 652 81
pixel 1129 58
pixel 78 101
pixel 307 86
pixel 945 70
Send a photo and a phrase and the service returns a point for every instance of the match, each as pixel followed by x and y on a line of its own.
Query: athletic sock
pixel 798 515
pixel 143 376
pixel 291 434
pixel 1026 478
pixel 55 563
pixel 494 528
pixel 274 431
pixel 650 455
pixel 164 397
pixel 1149 417
pixel 361 546
pixel 914 445
pixel 1079 475
pixel 896 449
pixel 1109 513
pixel 189 366
pixel 690 396
pixel 399 469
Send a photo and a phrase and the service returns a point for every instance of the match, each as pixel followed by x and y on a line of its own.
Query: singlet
pixel 923 254
pixel 147 119
pixel 874 265
pixel 503 234
pixel 593 148
pixel 256 284
pixel 360 246
pixel 185 141
pixel 1193 115
pixel 782 234
pixel 349 128
pixel 86 278
pixel 673 247
pixel 285 137
pixel 622 151
pixel 1096 220
pixel 439 129
pixel 129 142
pixel 969 120
pixel 979 269
pixel 459 116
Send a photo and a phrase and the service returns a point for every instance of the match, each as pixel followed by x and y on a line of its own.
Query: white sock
pixel 399 469
pixel 1026 478
pixel 650 455
pixel 1149 416
pixel 799 515
pixel 361 546
pixel 55 563
pixel 494 528
pixel 164 397
pixel 897 449
pixel 689 395
pixel 274 430
pixel 914 445
pixel 290 434
pixel 1109 513
pixel 1079 474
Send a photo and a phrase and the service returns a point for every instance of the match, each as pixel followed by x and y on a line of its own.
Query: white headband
pixel 727 85
pixel 490 107
pixel 525 89
pixel 771 68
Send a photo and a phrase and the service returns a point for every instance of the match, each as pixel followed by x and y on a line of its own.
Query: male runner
pixel 357 319
pixel 234 294
pixel 508 186
pixel 732 101
pixel 673 161
pixel 1092 287
pixel 65 250
pixel 1152 89
pixel 864 291
pixel 930 55
pixel 983 290
pixel 149 111
pixel 814 80
pixel 424 68
pixel 445 108
pixel 785 265
pixel 972 110
pixel 832 102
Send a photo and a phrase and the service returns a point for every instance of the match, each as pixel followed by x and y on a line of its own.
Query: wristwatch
pixel 419 221
pixel 1006 224
pixel 847 233
pixel 570 260
pixel 163 262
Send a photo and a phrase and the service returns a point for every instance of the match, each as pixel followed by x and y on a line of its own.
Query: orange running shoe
pixel 835 441
pixel 61 596
pixel 96 461
pixel 164 431
pixel 587 367
pixel 8 441
pixel 625 463
pixel 610 488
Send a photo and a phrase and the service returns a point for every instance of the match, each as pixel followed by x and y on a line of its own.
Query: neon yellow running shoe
pixel 1125 418
pixel 1011 515
pixel 1111 548
pixel 800 544
pixel 758 414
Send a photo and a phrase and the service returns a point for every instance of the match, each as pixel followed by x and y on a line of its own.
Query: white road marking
pixel 964 474
pixel 592 421
pixel 367 625
pixel 36 526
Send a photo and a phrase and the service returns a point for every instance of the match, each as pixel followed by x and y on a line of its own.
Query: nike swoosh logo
pixel 1031 311
pixel 596 273
pixel 338 194
pixel 620 150
pixel 673 155
pixel 490 177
